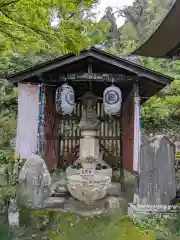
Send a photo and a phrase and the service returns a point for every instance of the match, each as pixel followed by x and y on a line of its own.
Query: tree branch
pixel 120 12
pixel 141 8
pixel 6 23
pixel 11 36
pixel 38 31
pixel 9 3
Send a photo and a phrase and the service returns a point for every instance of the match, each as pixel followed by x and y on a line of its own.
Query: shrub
pixel 4 158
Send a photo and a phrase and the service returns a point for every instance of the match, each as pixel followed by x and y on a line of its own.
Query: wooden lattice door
pixel 69 137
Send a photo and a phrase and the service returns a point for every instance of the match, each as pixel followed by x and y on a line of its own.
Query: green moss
pixel 66 226
pixel 131 231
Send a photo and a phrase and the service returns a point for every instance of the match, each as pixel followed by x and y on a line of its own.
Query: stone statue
pixel 89 119
pixel 90 182
pixel 13 213
pixel 34 183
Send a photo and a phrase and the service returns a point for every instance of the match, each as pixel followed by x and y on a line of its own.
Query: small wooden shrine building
pixel 41 130
pixel 165 41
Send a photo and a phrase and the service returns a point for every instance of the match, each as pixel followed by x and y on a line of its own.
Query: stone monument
pixel 34 183
pixel 156 171
pixel 13 214
pixel 91 180
pixel 156 176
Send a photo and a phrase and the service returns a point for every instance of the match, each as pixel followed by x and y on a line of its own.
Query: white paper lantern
pixel 112 99
pixel 65 99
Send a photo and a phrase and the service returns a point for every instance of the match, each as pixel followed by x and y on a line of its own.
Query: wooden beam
pixel 96 77
pixel 62 137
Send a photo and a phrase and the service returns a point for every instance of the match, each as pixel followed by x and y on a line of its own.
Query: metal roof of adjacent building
pixel 165 41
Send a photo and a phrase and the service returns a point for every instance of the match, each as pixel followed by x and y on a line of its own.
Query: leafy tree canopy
pixel 27 24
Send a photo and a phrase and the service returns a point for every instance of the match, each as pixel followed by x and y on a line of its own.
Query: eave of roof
pixel 165 41
pixel 95 53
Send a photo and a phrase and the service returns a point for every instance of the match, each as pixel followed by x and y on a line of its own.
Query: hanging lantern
pixel 65 99
pixel 112 99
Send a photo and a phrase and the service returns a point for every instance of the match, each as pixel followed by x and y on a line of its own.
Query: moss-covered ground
pixel 52 225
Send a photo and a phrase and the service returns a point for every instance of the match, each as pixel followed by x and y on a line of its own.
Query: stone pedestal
pixel 138 211
pixel 106 206
pixel 88 189
pixel 89 184
pixel 89 146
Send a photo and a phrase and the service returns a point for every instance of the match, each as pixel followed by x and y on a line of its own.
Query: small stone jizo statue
pixel 89 120
pixel 13 214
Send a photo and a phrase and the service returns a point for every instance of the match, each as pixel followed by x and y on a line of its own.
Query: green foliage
pixel 27 25
pixel 3 158
pixel 161 112
pixel 9 188
pixel 7 191
pixel 7 131
pixel 165 228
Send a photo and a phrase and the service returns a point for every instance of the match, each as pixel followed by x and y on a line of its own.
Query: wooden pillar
pixel 131 133
pixel 128 132
pixel 137 130
pixel 121 157
pixel 51 129
pixel 136 141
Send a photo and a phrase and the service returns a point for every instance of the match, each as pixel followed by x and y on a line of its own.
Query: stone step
pixel 68 204
pixel 55 202
pixel 59 188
